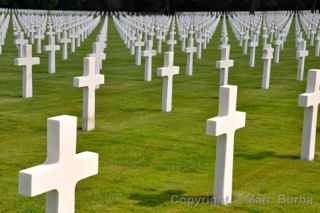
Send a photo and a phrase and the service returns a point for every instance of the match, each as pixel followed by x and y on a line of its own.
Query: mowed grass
pixel 152 161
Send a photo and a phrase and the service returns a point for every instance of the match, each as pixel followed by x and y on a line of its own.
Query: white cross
pixel 39 38
pixel 148 53
pixel 52 48
pixel 138 45
pixel 199 47
pixel 224 64
pixel 183 38
pixel 167 72
pixel 78 37
pixel 131 44
pixel 224 126
pixel 265 37
pixel 99 55
pixel 89 81
pixel 20 41
pixel 310 100
pixel 253 45
pixel 245 45
pixel 171 42
pixel 73 40
pixel 267 56
pixel 50 31
pixel 317 48
pixel 301 56
pixel 190 50
pixel 32 31
pixel 63 169
pixel 159 38
pixel 27 61
pixel 277 50
pixel 65 40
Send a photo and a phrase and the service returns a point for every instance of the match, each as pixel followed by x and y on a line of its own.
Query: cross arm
pixel 87 164
pixel 36 60
pixel 302 53
pixel 37 180
pixel 168 71
pixel 20 61
pixel 100 79
pixel 223 124
pixel 308 99
pixel 224 64
pixel 80 81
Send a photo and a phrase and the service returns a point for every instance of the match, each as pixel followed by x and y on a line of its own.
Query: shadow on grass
pixel 141 109
pixel 152 200
pixel 266 154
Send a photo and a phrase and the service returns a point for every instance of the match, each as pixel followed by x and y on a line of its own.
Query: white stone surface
pixel 171 42
pixel 65 41
pixel 302 53
pixel 310 101
pixel 253 45
pixel 267 55
pixel 277 51
pixel 224 64
pixel 148 53
pixel 190 50
pixel 52 48
pixel 224 127
pixel 167 72
pixel 63 169
pixel 27 61
pixel 138 45
pixel 89 82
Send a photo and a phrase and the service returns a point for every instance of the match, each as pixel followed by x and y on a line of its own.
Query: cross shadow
pixel 264 155
pixel 141 109
pixel 152 200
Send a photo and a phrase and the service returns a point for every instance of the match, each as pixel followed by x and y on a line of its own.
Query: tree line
pixel 163 6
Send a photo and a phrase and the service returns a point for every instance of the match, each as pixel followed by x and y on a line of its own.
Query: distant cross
pixel 138 45
pixel 267 56
pixel 199 46
pixel 302 53
pixel 265 37
pixel 52 48
pixel 253 45
pixel 39 36
pixel 183 38
pixel 245 45
pixel 65 40
pixel 190 50
pixel 100 56
pixel 167 72
pixel 148 53
pixel 32 31
pixel 277 50
pixel 27 61
pixel 89 81
pixel 63 169
pixel 20 41
pixel 78 37
pixel 159 38
pixel 132 40
pixel 50 31
pixel 224 127
pixel 310 101
pixel 317 48
pixel 73 40
pixel 224 64
pixel 171 42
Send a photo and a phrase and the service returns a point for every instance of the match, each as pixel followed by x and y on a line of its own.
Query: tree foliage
pixel 163 5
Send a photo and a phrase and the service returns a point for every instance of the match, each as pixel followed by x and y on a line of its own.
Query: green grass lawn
pixel 150 160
